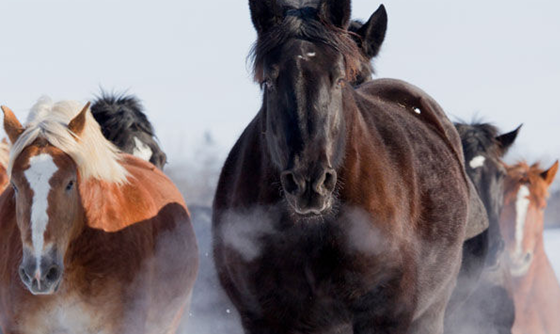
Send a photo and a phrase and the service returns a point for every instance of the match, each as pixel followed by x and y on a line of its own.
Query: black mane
pixel 304 23
pixel 122 119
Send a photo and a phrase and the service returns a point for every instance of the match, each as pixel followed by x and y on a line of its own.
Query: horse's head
pixel 303 58
pixel 369 36
pixel 522 219
pixel 45 173
pixel 484 150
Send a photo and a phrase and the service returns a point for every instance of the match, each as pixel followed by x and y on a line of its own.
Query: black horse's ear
pixel 506 140
pixel 372 33
pixel 265 14
pixel 335 12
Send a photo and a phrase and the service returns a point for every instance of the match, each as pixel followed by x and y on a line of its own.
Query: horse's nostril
pixel 24 277
pixel 330 180
pixel 326 183
pixel 53 274
pixel 289 183
pixel 528 257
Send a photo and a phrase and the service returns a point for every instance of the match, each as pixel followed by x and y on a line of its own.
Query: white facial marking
pixel 141 150
pixel 307 55
pixel 477 162
pixel 41 169
pixel 521 206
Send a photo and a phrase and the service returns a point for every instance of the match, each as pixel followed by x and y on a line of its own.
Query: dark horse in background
pixel 124 123
pixel 489 308
pixel 339 210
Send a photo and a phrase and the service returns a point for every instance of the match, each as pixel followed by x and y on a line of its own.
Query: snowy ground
pixel 211 311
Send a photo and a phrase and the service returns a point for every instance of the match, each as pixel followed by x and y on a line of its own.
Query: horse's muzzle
pixel 42 279
pixel 309 196
pixel 520 265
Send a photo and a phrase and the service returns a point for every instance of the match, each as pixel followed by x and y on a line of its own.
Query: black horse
pixel 339 210
pixel 489 309
pixel 124 123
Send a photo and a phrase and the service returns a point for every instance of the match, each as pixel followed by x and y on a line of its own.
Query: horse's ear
pixel 12 126
pixel 265 14
pixel 506 140
pixel 372 34
pixel 335 12
pixel 78 123
pixel 548 175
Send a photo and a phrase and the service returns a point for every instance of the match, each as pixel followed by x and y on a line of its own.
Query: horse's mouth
pixel 311 212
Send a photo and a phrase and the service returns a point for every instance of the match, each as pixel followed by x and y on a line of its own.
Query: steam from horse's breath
pixel 212 312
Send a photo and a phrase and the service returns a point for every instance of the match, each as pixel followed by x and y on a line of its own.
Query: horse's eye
pixel 70 185
pixel 268 84
pixel 340 82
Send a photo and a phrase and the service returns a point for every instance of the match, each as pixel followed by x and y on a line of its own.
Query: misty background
pixel 187 61
pixel 498 61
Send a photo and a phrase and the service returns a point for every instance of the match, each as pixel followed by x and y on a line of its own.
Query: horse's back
pixel 418 104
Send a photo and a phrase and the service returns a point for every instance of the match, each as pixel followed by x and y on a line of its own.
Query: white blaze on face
pixel 41 169
pixel 521 207
pixel 477 162
pixel 141 150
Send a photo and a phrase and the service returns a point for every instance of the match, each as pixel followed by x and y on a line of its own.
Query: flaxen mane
pixel 94 155
pixel 4 153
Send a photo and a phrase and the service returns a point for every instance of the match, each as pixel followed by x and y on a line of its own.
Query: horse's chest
pixel 67 315
pixel 304 267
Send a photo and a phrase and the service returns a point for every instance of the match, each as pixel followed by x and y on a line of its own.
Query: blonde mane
pixel 4 153
pixel 94 155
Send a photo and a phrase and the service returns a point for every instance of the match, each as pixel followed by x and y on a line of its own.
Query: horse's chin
pixel 307 214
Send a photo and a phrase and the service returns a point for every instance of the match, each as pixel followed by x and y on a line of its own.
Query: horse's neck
pixel 540 284
pixel 365 161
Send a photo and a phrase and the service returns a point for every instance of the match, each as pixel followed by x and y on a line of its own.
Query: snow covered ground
pixel 212 312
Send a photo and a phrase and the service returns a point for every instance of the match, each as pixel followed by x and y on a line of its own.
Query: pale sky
pixel 186 60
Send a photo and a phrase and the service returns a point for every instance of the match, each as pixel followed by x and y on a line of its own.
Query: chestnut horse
pixel 339 210
pixel 536 290
pixel 4 158
pixel 92 240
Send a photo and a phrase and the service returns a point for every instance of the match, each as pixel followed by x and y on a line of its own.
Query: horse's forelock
pixel 93 154
pixel 308 28
pixel 476 135
pixel 522 172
